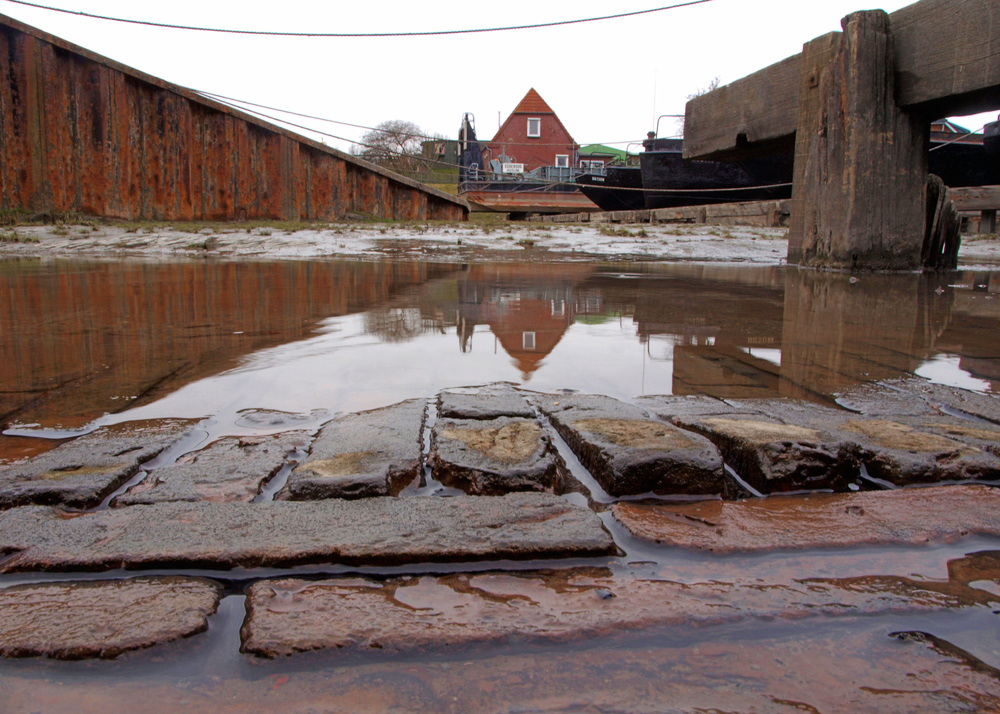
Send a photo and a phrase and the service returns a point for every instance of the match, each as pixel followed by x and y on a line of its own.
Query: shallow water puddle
pixel 256 348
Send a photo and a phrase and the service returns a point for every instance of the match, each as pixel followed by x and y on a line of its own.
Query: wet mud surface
pixel 343 524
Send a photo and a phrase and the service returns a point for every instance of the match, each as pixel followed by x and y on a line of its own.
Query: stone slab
pixel 102 619
pixel 903 450
pixel 628 453
pixel 936 398
pixel 230 469
pixel 417 614
pixel 371 531
pixel 489 402
pixel 903 517
pixel 81 472
pixel 769 446
pixel 496 456
pixel 373 453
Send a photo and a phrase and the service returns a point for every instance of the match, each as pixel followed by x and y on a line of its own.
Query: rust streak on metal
pixel 82 133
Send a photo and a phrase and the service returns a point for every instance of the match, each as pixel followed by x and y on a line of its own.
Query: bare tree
pixel 394 144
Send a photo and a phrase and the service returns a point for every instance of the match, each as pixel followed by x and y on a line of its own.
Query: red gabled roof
pixel 533 104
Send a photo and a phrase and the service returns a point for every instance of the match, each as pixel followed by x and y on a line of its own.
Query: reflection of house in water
pixel 528 308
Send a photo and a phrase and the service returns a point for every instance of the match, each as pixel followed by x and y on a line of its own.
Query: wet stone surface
pixel 373 531
pixel 629 453
pixel 918 397
pixel 230 469
pixel 81 472
pixel 489 402
pixel 901 449
pixel 902 517
pixel 374 453
pixel 102 619
pixel 496 456
pixel 413 614
pixel 772 450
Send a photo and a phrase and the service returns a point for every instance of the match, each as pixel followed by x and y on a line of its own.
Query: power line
pixel 232 101
pixel 431 33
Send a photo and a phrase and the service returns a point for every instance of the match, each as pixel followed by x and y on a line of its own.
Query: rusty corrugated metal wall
pixel 80 132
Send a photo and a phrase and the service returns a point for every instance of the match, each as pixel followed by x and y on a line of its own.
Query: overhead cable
pixel 429 33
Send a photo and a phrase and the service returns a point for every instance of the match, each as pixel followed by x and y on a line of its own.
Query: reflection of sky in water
pixel 345 369
pixel 945 369
pixel 771 355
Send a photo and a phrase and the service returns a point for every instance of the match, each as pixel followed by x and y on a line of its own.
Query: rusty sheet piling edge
pixel 82 133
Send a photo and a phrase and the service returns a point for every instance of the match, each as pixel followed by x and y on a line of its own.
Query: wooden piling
pixel 863 187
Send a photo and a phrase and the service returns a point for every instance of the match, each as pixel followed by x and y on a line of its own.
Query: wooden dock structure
pixel 80 133
pixel 855 106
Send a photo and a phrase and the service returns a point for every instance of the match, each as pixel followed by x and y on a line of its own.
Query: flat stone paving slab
pixel 372 531
pixel 912 516
pixel 102 619
pixel 81 472
pixel 496 456
pixel 489 402
pixel 915 397
pixel 230 469
pixel 373 453
pixel 354 615
pixel 628 453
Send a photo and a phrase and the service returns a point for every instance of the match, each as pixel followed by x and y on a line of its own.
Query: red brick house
pixel 532 136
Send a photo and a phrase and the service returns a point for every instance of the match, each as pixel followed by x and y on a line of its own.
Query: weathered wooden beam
pixel 862 193
pixel 757 111
pixel 975 198
pixel 948 55
pixel 947 59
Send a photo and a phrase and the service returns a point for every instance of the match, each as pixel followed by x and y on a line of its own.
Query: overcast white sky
pixel 608 81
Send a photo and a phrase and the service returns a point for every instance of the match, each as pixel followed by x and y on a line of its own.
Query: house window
pixel 528 340
pixel 534 128
pixel 562 160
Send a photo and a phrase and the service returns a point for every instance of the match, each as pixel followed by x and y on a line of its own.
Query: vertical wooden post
pixel 861 194
pixel 816 58
pixel 988 221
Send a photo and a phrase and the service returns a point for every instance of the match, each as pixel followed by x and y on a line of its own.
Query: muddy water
pixel 258 347
pixel 116 341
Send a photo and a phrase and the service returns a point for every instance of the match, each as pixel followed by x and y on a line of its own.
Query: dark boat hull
pixel 618 189
pixel 672 181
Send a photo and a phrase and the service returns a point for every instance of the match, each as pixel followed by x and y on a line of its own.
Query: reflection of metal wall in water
pixel 81 133
pixel 115 331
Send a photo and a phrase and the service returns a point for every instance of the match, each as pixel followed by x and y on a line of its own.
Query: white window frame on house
pixel 562 161
pixel 538 127
pixel 528 341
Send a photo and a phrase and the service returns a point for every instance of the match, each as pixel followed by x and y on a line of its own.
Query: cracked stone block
pixel 82 472
pixel 362 455
pixel 234 468
pixel 840 520
pixel 370 531
pixel 903 449
pixel 779 445
pixel 104 618
pixel 496 456
pixel 628 453
pixel 489 402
